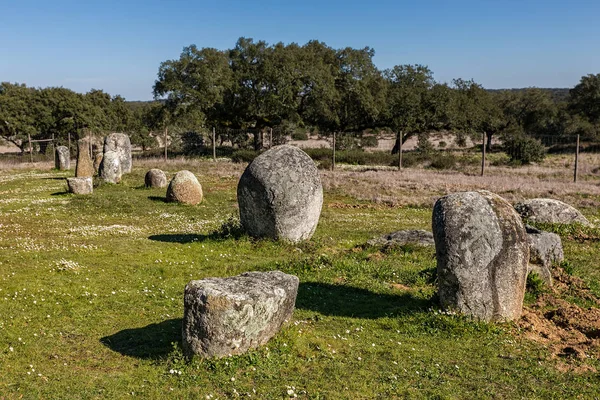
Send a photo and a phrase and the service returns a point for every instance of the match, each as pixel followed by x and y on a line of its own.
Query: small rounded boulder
pixel 280 195
pixel 184 188
pixel 155 178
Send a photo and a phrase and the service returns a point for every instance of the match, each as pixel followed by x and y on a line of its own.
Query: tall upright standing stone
pixel 84 167
pixel 120 143
pixel 62 160
pixel 482 255
pixel 110 167
pixel 280 195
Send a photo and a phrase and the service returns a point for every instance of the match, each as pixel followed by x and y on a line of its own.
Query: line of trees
pixel 312 86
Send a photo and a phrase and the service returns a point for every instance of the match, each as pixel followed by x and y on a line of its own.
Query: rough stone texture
pixel 120 143
pixel 97 161
pixel 110 167
pixel 184 188
pixel 482 255
pixel 225 316
pixel 280 195
pixel 63 158
pixel 545 248
pixel 155 178
pixel 84 167
pixel 550 211
pixel 399 238
pixel 80 185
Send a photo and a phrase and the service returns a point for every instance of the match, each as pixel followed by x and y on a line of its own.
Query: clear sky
pixel 118 45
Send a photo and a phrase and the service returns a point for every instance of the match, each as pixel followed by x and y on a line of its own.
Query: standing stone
pixel 482 255
pixel 184 188
pixel 155 178
pixel 280 195
pixel 84 167
pixel 120 143
pixel 545 248
pixel 80 185
pixel 97 161
pixel 550 211
pixel 63 158
pixel 224 316
pixel 110 167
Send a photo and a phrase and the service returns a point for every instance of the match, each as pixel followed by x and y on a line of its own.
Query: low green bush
pixel 299 135
pixel 524 149
pixel 241 156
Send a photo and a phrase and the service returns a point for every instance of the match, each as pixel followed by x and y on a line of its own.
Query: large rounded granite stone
pixel 120 143
pixel 155 178
pixel 80 185
pixel 62 161
pixel 482 255
pixel 280 195
pixel 184 188
pixel 226 316
pixel 110 167
pixel 550 211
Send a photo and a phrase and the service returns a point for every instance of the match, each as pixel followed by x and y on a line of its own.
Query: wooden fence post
pixel 400 137
pixel 53 150
pixel 30 148
pixel 483 154
pixel 214 144
pixel 166 133
pixel 270 137
pixel 576 160
pixel 333 157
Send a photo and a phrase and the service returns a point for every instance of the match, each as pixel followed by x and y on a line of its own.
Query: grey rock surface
pixel 110 167
pixel 84 167
pixel 280 195
pixel 80 185
pixel 184 188
pixel 120 143
pixel 482 255
pixel 545 248
pixel 224 316
pixel 550 211
pixel 416 236
pixel 62 161
pixel 155 178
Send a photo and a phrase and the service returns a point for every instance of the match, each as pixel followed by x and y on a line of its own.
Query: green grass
pixel 91 300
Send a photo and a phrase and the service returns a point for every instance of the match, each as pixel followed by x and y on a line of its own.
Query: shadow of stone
pixel 60 193
pixel 149 342
pixel 348 301
pixel 54 179
pixel 158 198
pixel 230 229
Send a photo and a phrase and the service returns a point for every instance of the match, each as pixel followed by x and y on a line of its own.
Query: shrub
pixel 524 149
pixel 324 164
pixel 423 143
pixel 442 144
pixel 369 141
pixel 247 156
pixel 299 135
pixel 443 161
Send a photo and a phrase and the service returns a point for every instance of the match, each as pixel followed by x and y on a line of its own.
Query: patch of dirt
pixel 569 331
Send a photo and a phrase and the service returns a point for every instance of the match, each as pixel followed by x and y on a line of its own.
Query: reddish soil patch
pixel 569 331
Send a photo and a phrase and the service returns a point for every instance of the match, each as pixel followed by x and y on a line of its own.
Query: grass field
pixel 91 292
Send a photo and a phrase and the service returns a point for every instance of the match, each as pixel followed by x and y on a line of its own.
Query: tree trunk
pixel 396 147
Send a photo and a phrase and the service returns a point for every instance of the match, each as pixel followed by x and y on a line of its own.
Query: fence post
pixel 53 150
pixel 270 137
pixel 214 144
pixel 30 149
pixel 166 133
pixel 483 154
pixel 333 157
pixel 400 137
pixel 576 160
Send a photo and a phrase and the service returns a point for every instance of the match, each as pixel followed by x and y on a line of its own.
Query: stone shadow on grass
pixel 349 301
pixel 158 198
pixel 149 342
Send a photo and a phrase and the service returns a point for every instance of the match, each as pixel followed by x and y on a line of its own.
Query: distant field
pixel 91 291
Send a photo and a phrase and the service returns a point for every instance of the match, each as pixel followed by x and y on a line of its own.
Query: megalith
pixel 120 143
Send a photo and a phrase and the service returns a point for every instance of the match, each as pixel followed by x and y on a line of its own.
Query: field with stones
pixel 91 291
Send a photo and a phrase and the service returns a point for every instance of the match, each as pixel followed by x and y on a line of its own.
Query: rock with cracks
pixel 545 248
pixel 120 143
pixel 550 211
pixel 110 167
pixel 280 195
pixel 482 255
pixel 418 237
pixel 84 167
pixel 224 316
pixel 62 161
pixel 80 185
pixel 155 178
pixel 184 188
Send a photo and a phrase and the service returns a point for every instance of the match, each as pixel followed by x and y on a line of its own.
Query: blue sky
pixel 118 46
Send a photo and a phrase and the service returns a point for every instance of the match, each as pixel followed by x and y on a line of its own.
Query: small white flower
pixel 232 379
